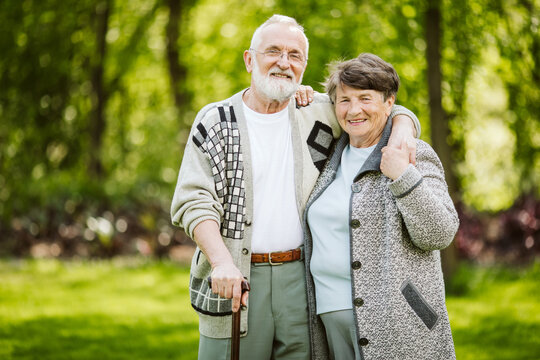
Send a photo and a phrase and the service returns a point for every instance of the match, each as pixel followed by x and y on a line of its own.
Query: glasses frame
pixel 272 53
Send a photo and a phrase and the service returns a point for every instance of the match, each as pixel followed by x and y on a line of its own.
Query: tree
pixel 100 93
pixel 440 130
pixel 177 71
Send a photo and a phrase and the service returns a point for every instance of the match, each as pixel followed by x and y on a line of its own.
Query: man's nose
pixel 283 61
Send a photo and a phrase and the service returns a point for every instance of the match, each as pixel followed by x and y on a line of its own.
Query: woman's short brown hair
pixel 366 72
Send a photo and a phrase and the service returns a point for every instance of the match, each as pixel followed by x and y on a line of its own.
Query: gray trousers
pixel 341 335
pixel 277 318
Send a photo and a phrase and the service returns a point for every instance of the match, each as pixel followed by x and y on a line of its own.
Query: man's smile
pixel 281 75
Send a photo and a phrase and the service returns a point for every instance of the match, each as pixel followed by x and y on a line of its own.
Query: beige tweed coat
pixel 396 231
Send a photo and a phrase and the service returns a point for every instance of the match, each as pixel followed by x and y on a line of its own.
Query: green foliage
pixel 46 107
pixel 133 309
pixel 490 55
pixel 518 38
pixel 38 73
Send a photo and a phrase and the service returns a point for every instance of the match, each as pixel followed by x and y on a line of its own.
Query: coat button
pixel 358 302
pixel 355 188
pixel 247 222
pixel 243 332
pixel 356 265
pixel 355 223
pixel 363 342
pixel 245 251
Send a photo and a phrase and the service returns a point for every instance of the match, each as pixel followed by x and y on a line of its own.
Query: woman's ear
pixel 389 102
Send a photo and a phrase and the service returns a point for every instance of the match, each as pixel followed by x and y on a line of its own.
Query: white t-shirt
pixel 276 223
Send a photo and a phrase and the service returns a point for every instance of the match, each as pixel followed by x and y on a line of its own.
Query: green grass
pixel 497 313
pixel 133 309
pixel 95 310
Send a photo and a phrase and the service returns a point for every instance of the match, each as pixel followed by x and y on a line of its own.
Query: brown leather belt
pixel 277 258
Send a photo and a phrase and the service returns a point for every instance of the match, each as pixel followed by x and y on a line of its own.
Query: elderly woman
pixel 376 225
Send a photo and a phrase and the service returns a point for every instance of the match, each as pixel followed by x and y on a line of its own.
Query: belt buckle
pixel 270 260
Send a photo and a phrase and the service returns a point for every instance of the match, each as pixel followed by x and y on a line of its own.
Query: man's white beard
pixel 271 87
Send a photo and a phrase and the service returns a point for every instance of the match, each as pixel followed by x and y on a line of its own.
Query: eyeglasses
pixel 294 57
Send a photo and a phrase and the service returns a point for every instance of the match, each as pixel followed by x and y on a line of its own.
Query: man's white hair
pixel 277 19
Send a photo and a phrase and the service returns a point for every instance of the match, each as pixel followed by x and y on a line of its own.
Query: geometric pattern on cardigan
pixel 320 143
pixel 221 143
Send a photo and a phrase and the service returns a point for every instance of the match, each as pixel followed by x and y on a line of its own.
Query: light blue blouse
pixel 328 219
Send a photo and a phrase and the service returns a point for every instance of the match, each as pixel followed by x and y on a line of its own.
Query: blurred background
pixel 97 98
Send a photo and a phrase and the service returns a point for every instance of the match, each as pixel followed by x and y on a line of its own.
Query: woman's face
pixel 362 114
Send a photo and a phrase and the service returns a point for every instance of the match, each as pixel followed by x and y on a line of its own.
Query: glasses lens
pixel 293 57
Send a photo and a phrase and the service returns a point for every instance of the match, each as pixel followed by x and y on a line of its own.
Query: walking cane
pixel 235 330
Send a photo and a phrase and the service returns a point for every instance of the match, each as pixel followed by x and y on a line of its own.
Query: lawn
pixel 137 309
pixel 497 313
pixel 120 309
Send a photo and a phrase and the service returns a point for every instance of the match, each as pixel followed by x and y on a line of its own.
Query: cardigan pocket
pixel 419 305
pixel 203 300
pixel 200 266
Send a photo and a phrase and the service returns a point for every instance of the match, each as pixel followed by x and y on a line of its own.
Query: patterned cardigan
pixel 215 183
pixel 396 231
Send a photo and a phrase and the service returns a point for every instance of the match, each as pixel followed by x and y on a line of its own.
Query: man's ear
pixel 248 61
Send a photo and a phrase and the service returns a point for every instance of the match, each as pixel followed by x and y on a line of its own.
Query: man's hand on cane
pixel 227 282
pixel 226 278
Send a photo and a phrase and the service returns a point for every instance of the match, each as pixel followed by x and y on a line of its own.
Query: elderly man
pixel 248 168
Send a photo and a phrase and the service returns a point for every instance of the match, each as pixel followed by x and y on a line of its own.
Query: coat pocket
pixel 419 305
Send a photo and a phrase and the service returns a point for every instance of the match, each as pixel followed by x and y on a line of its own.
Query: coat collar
pixel 373 162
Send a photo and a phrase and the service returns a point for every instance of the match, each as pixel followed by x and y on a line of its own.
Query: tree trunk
pixel 438 117
pixel 177 72
pixel 99 95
